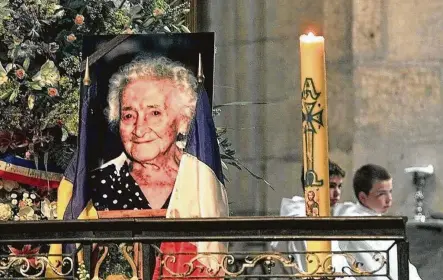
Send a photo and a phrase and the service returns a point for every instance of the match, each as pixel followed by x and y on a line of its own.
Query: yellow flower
pixel 48 75
pixel 29 202
pixel 26 213
pixel 49 209
pixel 3 75
pixel 5 212
pixel 31 103
pixel 3 79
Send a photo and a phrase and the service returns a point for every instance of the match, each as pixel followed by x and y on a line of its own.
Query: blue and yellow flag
pixel 76 194
pixel 73 193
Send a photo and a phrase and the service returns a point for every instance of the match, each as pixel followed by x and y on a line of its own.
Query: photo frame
pixel 181 47
pixel 141 96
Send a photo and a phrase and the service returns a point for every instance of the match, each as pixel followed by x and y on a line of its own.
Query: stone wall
pixel 257 57
pixel 384 87
pixel 398 97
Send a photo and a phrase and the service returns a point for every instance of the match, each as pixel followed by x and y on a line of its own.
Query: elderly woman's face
pixel 148 122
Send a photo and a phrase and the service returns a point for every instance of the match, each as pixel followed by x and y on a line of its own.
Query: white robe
pixel 367 258
pixel 295 207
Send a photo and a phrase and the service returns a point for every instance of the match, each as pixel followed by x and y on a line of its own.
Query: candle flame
pixel 310 37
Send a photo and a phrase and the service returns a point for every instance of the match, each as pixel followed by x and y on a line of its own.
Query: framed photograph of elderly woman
pixel 140 104
pixel 144 101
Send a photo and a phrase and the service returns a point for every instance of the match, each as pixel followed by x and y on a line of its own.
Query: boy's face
pixel 335 184
pixel 379 198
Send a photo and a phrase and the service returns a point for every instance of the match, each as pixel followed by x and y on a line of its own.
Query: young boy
pixel 373 190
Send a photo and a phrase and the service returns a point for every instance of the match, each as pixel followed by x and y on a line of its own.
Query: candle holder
pixel 420 176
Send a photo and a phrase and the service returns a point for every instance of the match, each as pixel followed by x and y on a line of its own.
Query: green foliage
pixel 40 57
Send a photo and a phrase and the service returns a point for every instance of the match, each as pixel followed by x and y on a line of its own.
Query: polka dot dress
pixel 117 190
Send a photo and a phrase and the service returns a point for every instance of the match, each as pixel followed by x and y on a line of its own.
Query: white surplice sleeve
pixel 292 207
pixel 295 207
pixel 371 261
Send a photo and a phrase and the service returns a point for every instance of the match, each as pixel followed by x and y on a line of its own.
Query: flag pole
pixel 200 74
pixel 64 195
pixel 87 78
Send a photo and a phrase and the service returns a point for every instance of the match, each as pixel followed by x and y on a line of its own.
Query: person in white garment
pixel 295 207
pixel 373 190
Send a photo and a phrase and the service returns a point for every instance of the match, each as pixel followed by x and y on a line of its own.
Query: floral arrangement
pixel 40 57
pixel 20 203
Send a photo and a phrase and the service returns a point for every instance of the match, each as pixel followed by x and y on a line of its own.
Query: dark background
pixel 104 144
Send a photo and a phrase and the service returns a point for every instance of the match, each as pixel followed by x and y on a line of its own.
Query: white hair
pixel 159 68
